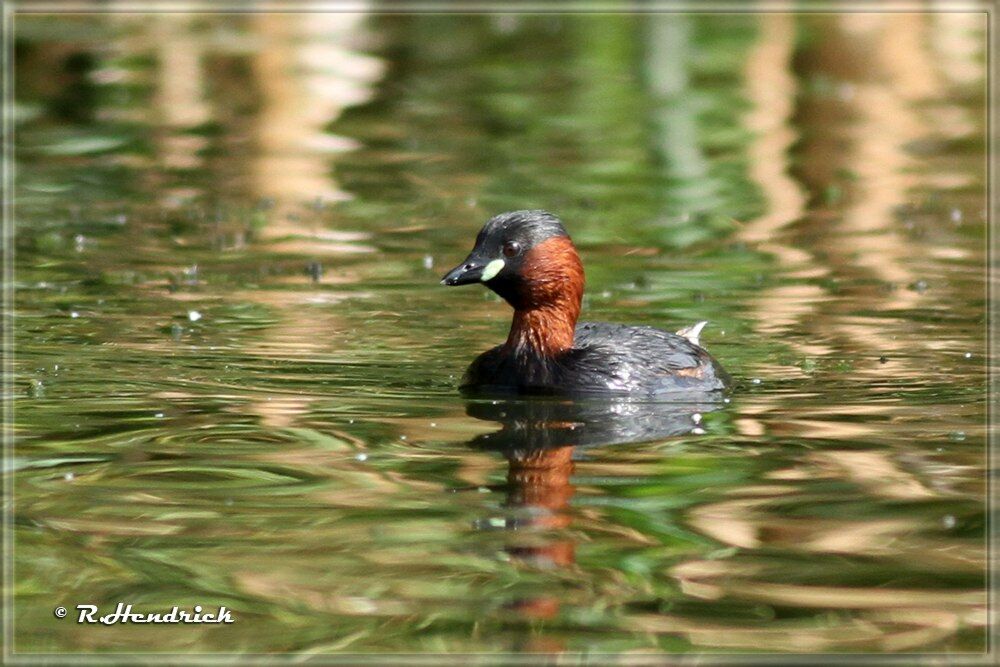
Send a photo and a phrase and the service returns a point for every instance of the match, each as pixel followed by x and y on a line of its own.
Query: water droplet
pixel 194 315
pixel 948 521
pixel 483 489
pixel 957 436
pixel 74 314
pixel 968 355
pixel 433 424
pixel 402 437
pixel 755 381
pixel 159 415
pixel 697 430
pixel 361 457
pixel 350 421
pixel 428 261
pixel 69 477
pixel 696 417
pixel 726 400
pixel 956 216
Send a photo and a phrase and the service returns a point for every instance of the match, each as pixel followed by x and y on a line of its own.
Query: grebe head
pixel 527 258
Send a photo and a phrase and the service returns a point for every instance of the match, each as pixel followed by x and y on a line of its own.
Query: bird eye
pixel 511 248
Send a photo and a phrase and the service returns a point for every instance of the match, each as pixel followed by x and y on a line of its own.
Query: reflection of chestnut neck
pixel 542 479
pixel 548 301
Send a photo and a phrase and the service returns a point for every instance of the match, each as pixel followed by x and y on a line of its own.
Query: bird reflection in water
pixel 541 439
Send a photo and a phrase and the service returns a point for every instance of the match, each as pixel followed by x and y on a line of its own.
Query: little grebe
pixel 528 259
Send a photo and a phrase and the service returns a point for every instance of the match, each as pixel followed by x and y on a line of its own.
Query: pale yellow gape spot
pixel 492 269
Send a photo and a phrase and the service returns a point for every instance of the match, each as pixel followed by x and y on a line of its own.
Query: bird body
pixel 528 259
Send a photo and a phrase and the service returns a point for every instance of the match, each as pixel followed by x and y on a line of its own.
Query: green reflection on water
pixel 235 369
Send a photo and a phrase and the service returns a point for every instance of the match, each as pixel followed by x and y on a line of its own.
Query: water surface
pixel 235 373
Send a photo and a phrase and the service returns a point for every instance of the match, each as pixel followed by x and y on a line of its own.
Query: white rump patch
pixel 692 332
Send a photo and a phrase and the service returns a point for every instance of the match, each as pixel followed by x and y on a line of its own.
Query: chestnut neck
pixel 549 305
pixel 546 330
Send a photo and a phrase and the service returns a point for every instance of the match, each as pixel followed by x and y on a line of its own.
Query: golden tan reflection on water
pixel 885 70
pixel 180 90
pixel 305 70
